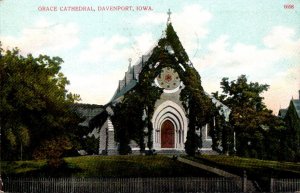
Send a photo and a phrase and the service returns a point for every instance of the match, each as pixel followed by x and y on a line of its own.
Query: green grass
pixel 106 166
pixel 238 164
pixel 20 167
pixel 247 163
pixel 258 170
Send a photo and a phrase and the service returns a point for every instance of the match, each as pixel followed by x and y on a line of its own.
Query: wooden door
pixel 167 135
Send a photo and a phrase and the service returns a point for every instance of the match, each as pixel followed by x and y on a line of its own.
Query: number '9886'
pixel 289 6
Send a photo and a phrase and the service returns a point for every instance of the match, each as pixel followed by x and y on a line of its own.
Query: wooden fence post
pixel 271 185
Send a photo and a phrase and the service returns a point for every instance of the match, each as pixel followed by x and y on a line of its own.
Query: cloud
pixel 105 49
pixel 94 88
pixel 107 59
pixel 276 63
pixel 143 43
pixel 193 19
pixel 44 37
pixel 116 50
pixel 282 40
pixel 283 89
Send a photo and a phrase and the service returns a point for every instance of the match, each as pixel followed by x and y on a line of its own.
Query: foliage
pixel 221 132
pixel 34 102
pixel 90 144
pixel 53 150
pixel 258 132
pixel 199 106
pixel 128 122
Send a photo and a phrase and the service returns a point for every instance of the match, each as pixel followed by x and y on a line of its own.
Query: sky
pixel 258 38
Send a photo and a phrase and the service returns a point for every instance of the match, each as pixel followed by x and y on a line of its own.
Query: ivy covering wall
pixel 292 121
pixel 132 116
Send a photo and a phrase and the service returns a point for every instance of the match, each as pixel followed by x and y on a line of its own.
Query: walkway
pixel 249 185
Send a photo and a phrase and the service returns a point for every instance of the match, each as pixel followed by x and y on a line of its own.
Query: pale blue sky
pixel 223 39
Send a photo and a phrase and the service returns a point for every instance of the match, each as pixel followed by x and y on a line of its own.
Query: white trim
pixel 168 90
pixel 206 149
pixel 207 137
pixel 182 67
pixel 169 110
pixel 110 125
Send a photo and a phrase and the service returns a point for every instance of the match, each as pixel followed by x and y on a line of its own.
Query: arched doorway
pixel 167 134
pixel 175 115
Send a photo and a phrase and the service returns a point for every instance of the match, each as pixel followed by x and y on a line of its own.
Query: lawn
pixel 257 170
pixel 238 164
pixel 105 166
pixel 246 163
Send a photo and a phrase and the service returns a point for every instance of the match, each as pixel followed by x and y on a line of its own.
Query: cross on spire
pixel 169 16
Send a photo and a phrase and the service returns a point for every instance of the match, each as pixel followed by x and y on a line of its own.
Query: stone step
pixel 170 152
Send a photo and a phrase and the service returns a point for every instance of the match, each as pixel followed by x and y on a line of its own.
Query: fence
pixel 285 185
pixel 122 185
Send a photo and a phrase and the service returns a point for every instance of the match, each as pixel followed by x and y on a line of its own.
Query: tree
pixel 250 119
pixel 34 102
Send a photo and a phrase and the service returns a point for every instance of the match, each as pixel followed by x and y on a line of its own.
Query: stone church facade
pixel 169 120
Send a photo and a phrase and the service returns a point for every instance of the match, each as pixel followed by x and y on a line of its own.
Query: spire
pixel 164 32
pixel 169 16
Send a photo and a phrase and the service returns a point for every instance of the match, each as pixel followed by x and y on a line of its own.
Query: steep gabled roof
pixel 131 77
pixel 87 111
pixel 282 113
pixel 296 104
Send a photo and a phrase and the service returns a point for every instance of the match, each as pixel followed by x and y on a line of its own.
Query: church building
pixel 168 63
pixel 291 117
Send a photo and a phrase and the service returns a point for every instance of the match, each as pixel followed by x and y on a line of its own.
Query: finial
pixel 169 17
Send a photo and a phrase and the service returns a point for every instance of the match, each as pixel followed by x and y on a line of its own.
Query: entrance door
pixel 167 135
